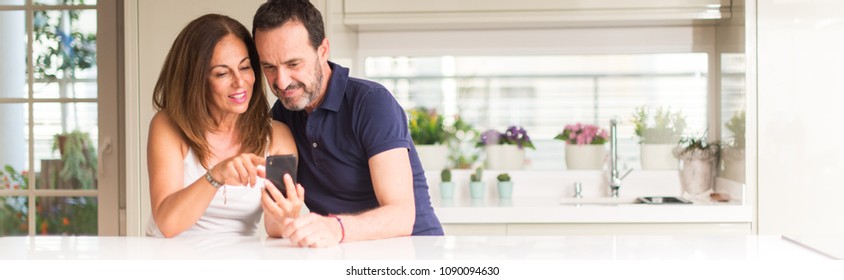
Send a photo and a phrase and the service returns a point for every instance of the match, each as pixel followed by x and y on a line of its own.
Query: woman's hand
pixel 239 170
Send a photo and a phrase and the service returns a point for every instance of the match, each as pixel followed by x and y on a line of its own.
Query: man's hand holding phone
pixel 279 201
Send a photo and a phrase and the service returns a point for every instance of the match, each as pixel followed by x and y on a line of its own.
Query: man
pixel 357 161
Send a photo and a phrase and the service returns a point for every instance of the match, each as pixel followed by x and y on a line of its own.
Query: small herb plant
pixel 665 127
pixel 503 177
pixel 445 176
pixel 477 176
pixel 690 146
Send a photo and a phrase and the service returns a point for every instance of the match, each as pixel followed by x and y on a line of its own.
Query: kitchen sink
pixel 600 200
pixel 625 200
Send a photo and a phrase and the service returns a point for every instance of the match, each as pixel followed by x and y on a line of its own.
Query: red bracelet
pixel 342 229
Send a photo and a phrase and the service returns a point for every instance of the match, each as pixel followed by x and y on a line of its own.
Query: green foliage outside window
pixel 63 50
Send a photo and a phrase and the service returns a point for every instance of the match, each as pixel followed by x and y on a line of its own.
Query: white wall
pixel 800 86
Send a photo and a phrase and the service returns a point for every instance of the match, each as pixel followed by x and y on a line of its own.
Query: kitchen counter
pixel 549 210
pixel 537 194
pixel 626 247
pixel 829 245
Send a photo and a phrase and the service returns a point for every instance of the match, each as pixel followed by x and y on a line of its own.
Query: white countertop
pixel 593 247
pixel 549 210
pixel 536 197
pixel 825 244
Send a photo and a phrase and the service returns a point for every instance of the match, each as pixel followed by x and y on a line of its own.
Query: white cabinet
pixel 470 14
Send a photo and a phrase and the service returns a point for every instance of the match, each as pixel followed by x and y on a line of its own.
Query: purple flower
pixel 514 135
pixel 490 137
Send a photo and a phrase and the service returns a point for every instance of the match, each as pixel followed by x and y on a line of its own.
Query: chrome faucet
pixel 615 181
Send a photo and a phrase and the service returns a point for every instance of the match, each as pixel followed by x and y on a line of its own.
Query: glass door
pixel 53 147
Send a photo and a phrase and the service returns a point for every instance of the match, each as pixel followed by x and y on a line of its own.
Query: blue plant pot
pixel 505 189
pixel 447 190
pixel 476 189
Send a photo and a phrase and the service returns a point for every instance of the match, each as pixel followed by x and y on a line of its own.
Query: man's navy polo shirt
pixel 357 119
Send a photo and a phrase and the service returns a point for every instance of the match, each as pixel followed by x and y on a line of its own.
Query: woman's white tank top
pixel 234 210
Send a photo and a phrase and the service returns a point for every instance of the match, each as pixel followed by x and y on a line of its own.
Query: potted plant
pixel 584 146
pixel 463 151
pixel 78 159
pixel 658 135
pixel 505 151
pixel 429 137
pixel 476 184
pixel 505 186
pixel 733 154
pixel 446 185
pixel 699 159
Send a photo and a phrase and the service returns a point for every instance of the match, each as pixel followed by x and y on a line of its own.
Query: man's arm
pixel 392 180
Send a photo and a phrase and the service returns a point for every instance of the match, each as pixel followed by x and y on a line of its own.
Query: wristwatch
pixel 211 180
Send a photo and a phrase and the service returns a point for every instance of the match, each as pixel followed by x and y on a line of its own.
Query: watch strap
pixel 214 183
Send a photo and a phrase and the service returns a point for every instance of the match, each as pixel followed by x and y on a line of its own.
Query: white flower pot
pixel 658 156
pixel 697 171
pixel 433 157
pixel 585 156
pixel 504 157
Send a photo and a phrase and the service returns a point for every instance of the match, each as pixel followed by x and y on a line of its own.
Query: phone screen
pixel 277 166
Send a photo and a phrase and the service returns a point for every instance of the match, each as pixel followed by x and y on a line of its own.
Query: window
pixel 50 91
pixel 543 93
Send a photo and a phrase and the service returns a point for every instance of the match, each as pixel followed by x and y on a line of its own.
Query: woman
pixel 211 134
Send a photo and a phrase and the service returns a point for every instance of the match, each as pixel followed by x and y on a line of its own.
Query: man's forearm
pixel 382 222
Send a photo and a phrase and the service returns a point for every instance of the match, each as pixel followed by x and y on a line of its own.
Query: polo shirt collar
pixel 336 87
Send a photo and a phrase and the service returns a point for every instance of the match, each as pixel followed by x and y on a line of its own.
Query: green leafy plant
pixel 503 177
pixel 692 145
pixel 13 209
pixel 477 176
pixel 665 127
pixel 13 215
pixel 67 216
pixel 445 175
pixel 79 158
pixel 736 126
pixel 462 150
pixel 427 127
pixel 63 48
pixel 10 179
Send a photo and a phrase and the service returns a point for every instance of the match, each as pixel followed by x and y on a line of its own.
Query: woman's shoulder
pixel 163 130
pixel 279 126
pixel 282 139
pixel 161 120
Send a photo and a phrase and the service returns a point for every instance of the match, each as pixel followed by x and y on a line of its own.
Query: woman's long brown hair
pixel 183 89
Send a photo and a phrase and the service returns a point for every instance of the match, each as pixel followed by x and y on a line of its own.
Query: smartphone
pixel 277 166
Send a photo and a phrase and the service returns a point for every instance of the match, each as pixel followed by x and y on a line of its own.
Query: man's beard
pixel 309 94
